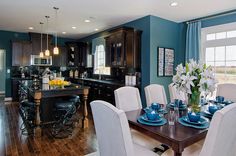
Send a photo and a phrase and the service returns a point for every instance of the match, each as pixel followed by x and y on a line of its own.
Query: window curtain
pixel 96 42
pixel 193 40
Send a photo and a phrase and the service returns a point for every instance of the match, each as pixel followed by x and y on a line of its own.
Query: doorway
pixel 2 72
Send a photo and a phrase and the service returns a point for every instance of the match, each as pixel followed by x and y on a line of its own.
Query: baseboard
pixel 8 99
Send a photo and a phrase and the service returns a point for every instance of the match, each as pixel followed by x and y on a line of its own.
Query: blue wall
pixel 155 32
pixel 5 43
pixel 219 20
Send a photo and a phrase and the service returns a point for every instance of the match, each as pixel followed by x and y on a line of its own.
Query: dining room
pixel 145 78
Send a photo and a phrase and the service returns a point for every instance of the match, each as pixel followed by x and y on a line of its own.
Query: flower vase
pixel 193 101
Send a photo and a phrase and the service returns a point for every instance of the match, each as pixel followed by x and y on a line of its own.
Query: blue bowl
pixel 194 117
pixel 212 109
pixel 220 99
pixel 152 115
pixel 155 106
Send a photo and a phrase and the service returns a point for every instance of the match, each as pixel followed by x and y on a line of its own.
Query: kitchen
pixel 97 53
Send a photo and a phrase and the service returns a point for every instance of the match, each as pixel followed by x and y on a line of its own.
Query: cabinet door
pixel 26 53
pixel 16 53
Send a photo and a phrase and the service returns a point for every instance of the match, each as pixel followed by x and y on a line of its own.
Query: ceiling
pixel 18 15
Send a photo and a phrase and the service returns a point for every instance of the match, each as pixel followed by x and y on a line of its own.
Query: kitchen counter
pixel 110 82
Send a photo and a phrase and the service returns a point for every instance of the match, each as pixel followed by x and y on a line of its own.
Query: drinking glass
pixel 171 117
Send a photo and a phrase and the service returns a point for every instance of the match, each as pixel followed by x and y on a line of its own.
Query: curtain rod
pixel 212 16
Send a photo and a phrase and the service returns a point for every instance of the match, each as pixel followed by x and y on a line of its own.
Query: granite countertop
pixel 111 82
pixel 20 78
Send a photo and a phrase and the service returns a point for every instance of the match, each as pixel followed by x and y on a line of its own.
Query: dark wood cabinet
pixel 61 59
pixel 21 51
pixel 123 48
pixel 77 53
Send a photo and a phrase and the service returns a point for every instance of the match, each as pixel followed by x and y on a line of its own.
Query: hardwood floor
pixel 13 143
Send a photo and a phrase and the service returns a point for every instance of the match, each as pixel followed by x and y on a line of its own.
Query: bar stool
pixel 65 109
pixel 27 112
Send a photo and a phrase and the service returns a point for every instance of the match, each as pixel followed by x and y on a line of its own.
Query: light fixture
pixel 55 49
pixel 96 29
pixel 31 28
pixel 173 4
pixel 63 32
pixel 73 27
pixel 41 54
pixel 87 21
pixel 47 52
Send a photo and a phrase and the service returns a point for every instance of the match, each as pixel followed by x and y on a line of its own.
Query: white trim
pixel 220 28
pixel 8 99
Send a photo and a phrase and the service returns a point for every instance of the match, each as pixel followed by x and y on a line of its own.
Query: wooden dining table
pixel 175 136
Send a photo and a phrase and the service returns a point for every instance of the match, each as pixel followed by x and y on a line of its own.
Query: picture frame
pixel 165 61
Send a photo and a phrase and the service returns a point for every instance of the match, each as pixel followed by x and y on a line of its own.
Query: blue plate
pixel 226 102
pixel 162 122
pixel 161 110
pixel 183 107
pixel 144 117
pixel 200 122
pixel 202 126
pixel 207 114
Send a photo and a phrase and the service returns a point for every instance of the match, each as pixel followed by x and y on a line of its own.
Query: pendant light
pixel 56 50
pixel 47 52
pixel 41 54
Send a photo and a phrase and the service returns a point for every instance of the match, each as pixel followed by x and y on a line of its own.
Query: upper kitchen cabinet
pixel 123 47
pixel 60 59
pixel 77 53
pixel 21 51
pixel 36 43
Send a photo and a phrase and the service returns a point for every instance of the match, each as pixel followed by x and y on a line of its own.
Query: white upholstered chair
pixel 176 94
pixel 127 98
pixel 228 90
pixel 221 136
pixel 155 93
pixel 113 134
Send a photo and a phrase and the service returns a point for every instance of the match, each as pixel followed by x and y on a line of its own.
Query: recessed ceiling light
pixel 63 32
pixel 31 28
pixel 87 21
pixel 73 27
pixel 173 4
pixel 96 29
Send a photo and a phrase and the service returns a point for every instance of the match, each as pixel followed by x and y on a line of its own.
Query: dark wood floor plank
pixel 13 143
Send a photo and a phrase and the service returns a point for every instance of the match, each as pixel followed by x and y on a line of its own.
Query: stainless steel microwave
pixel 41 61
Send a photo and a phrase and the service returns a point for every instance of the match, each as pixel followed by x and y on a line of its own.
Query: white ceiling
pixel 18 15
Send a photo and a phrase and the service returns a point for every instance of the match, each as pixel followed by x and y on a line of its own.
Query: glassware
pixel 171 117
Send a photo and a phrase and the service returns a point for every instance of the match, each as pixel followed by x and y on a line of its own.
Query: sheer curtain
pixel 193 40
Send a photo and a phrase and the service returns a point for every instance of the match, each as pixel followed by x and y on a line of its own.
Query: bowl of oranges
pixel 59 83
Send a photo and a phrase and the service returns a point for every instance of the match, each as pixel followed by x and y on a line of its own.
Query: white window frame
pixel 101 70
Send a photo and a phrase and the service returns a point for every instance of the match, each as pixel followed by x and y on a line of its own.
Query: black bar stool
pixel 65 109
pixel 27 112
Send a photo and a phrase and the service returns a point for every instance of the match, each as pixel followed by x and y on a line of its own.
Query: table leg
pixel 85 115
pixel 37 117
pixel 177 153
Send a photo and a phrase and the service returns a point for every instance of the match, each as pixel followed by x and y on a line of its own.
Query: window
pixel 99 61
pixel 219 51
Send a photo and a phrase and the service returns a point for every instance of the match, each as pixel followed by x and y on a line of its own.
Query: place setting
pixel 179 104
pixel 153 116
pixel 221 100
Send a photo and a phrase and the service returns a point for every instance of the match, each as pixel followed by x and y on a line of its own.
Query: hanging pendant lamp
pixel 47 52
pixel 56 50
pixel 41 54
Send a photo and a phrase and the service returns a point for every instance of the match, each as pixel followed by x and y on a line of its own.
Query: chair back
pixel 155 93
pixel 221 136
pixel 112 130
pixel 227 90
pixel 176 94
pixel 128 98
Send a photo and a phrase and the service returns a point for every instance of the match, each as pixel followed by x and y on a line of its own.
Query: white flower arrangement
pixel 194 77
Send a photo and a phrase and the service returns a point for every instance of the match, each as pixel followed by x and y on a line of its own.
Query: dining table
pixel 176 136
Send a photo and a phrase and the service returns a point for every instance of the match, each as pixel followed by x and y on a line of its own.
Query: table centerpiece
pixel 195 79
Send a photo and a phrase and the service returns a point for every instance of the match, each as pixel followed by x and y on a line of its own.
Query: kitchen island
pixel 39 91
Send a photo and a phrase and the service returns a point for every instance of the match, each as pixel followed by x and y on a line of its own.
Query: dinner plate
pixel 200 122
pixel 163 122
pixel 207 114
pixel 184 107
pixel 202 126
pixel 144 117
